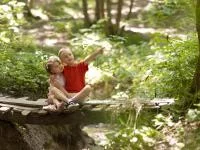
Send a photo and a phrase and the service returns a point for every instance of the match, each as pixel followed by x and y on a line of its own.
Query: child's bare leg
pixel 59 105
pixel 82 94
pixel 50 98
pixel 58 94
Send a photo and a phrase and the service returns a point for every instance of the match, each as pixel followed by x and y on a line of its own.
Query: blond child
pixel 74 75
pixel 55 96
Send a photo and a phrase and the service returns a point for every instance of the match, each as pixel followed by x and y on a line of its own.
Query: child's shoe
pixel 50 108
pixel 72 106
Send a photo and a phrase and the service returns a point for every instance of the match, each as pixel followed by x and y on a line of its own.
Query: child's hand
pixel 52 78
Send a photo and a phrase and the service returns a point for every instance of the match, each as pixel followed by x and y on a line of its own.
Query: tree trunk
pixel 102 9
pixel 196 79
pixel 109 26
pixel 130 9
pixel 97 9
pixel 119 13
pixel 86 16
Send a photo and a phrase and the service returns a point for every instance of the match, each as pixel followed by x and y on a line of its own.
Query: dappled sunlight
pixel 98 132
pixel 74 14
pixel 47 36
pixel 120 96
pixel 168 32
pixel 48 27
pixel 58 40
pixel 94 75
pixel 158 57
pixel 93 39
pixel 135 10
pixel 39 13
pixel 50 42
pixel 149 30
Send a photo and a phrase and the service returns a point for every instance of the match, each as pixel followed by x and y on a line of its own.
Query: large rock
pixel 43 137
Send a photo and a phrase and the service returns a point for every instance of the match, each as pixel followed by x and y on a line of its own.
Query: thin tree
pixel 119 14
pixel 109 16
pixel 97 9
pixel 196 79
pixel 130 9
pixel 85 13
pixel 102 9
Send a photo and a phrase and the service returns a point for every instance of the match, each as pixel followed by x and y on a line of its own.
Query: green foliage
pixel 70 27
pixel 60 26
pixel 56 9
pixel 11 18
pixel 128 138
pixel 63 9
pixel 12 13
pixel 171 13
pixel 167 8
pixel 163 132
pixel 22 70
pixel 170 65
pixel 193 114
pixel 160 121
pixel 192 139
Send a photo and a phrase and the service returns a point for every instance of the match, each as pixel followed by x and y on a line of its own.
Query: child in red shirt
pixel 74 74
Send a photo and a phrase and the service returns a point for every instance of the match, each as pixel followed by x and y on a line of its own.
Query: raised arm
pixel 93 56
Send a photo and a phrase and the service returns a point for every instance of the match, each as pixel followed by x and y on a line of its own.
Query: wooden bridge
pixel 24 111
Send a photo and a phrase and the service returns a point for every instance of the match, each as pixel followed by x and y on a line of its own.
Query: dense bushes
pixel 22 70
pixel 170 14
pixel 170 65
pixel 130 138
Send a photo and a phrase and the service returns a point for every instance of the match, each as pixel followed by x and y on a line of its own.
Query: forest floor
pixel 46 33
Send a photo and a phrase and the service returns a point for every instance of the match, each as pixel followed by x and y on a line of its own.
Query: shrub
pixel 22 70
pixel 129 138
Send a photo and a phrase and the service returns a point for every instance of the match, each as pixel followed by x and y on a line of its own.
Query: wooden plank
pixel 17 109
pixel 21 98
pixel 20 107
pixel 42 112
pixel 5 109
pixel 161 102
pixel 86 107
pixel 25 112
pixel 22 102
pixel 103 102
pixel 42 100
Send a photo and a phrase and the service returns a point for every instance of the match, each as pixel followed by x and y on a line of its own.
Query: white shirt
pixel 60 79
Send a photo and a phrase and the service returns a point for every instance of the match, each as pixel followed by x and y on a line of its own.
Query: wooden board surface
pixel 22 102
pixel 22 110
pixel 5 109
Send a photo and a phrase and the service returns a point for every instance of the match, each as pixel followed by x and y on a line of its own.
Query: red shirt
pixel 75 77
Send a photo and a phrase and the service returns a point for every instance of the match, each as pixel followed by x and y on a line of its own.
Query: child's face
pixel 67 57
pixel 56 68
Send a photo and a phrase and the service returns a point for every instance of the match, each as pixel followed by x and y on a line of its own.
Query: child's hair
pixel 50 62
pixel 62 50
